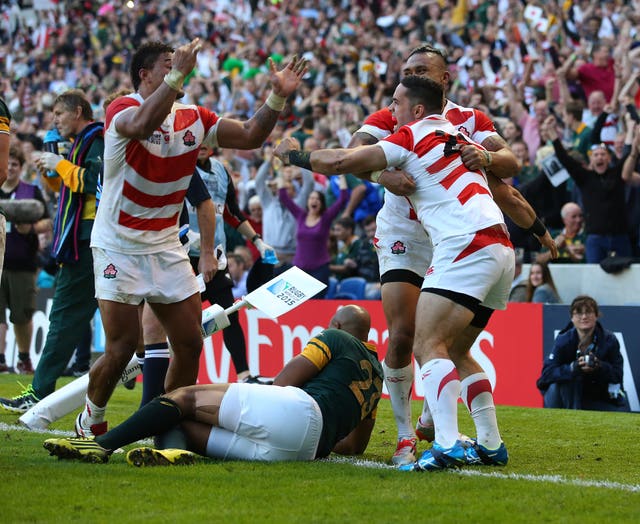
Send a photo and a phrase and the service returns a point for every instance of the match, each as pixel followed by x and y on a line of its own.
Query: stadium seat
pixel 351 288
pixel 332 288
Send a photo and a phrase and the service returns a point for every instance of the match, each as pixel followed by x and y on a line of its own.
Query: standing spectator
pixel 5 120
pixel 579 133
pixel 279 225
pixel 602 188
pixel 255 219
pixel 313 226
pixel 74 301
pixel 18 287
pixel 151 148
pixel 540 286
pixel 585 368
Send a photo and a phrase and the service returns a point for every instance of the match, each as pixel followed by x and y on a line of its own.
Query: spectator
pixel 578 133
pixel 571 239
pixel 602 188
pixel 365 262
pixel 279 225
pixel 238 271
pixel 255 220
pixel 342 264
pixel 540 286
pixel 18 282
pixel 585 367
pixel 518 291
pixel 313 226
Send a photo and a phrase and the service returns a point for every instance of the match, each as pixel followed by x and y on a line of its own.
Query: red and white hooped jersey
pixel 450 199
pixel 471 122
pixel 145 181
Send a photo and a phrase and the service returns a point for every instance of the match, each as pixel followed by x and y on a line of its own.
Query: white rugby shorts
pixel 479 264
pixel 266 423
pixel 402 243
pixel 166 277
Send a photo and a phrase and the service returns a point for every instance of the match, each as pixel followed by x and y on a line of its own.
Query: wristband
pixel 537 228
pixel 375 176
pixel 275 102
pixel 300 158
pixel 255 237
pixel 174 79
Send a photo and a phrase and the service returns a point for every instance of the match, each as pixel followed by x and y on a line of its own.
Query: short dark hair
pixel 75 98
pixel 422 90
pixel 584 302
pixel 346 222
pixel 145 57
pixel 574 108
pixel 428 48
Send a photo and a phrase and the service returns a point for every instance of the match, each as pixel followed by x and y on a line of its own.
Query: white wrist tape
pixel 276 102
pixel 174 79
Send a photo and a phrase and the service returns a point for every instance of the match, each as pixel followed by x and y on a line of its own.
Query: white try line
pixel 474 472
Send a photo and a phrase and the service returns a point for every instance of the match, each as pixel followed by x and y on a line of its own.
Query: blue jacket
pixel 559 365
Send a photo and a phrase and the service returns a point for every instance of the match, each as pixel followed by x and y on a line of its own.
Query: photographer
pixel 584 369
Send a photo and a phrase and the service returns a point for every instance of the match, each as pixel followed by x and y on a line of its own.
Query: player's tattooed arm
pixel 499 160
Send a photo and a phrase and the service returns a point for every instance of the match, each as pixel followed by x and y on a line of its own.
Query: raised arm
pixel 145 119
pixel 332 161
pixel 252 133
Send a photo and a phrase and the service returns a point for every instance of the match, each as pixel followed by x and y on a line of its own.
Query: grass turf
pixel 565 466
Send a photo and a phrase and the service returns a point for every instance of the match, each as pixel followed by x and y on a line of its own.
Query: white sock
pixel 92 414
pixel 442 388
pixel 426 419
pixel 399 384
pixel 477 396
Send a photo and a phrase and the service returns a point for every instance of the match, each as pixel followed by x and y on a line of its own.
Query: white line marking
pixel 473 472
pixel 371 464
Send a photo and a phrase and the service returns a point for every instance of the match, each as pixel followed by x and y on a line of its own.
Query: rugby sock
pixel 441 386
pixel 92 414
pixel 156 363
pixel 399 384
pixel 157 417
pixel 477 396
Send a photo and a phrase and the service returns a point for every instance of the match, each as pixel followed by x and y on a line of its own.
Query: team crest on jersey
pixel 110 271
pixel 464 130
pixel 398 248
pixel 189 139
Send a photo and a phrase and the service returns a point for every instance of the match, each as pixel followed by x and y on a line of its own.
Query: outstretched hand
pixel 287 80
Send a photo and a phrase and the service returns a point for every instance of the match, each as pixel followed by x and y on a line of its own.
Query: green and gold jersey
pixel 5 117
pixel 348 386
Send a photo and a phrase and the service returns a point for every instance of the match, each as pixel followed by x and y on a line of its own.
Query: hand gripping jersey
pixel 471 122
pixel 450 200
pixel 145 181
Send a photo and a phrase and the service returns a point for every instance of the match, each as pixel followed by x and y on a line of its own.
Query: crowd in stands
pixel 559 79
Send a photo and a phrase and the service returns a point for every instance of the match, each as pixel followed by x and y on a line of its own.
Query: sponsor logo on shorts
pixel 430 271
pixel 398 248
pixel 286 292
pixel 189 139
pixel 110 271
